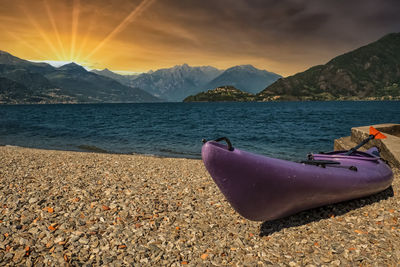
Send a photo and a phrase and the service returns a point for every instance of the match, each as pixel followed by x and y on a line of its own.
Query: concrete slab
pixel 343 143
pixel 389 147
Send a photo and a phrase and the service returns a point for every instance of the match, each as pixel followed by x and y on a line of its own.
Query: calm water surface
pixel 287 130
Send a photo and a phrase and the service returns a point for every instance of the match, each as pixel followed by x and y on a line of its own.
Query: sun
pixel 69 40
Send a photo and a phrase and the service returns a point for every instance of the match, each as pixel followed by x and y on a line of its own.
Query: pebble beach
pixel 62 208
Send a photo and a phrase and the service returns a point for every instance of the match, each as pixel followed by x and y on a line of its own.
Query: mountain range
pixel 174 84
pixel 178 82
pixel 367 73
pixel 22 81
pixel 371 72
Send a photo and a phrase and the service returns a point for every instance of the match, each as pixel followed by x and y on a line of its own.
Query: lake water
pixel 286 130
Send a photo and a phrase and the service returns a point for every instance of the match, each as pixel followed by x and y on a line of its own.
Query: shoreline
pixel 102 151
pixel 64 207
pixel 269 101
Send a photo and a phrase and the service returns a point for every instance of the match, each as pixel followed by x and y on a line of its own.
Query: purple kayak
pixel 261 188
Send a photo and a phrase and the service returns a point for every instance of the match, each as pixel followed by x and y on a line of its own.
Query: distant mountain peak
pixel 72 67
pixel 245 66
pixel 184 66
pixel 104 71
pixel 72 64
pixel 244 77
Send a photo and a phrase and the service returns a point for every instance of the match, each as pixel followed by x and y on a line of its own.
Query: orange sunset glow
pixel 136 36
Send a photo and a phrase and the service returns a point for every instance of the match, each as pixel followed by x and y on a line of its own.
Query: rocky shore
pixel 71 208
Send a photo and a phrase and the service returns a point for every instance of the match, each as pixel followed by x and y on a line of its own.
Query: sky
pixel 282 36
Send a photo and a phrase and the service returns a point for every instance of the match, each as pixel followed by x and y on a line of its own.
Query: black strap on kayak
pixel 228 142
pixel 321 163
pixel 328 163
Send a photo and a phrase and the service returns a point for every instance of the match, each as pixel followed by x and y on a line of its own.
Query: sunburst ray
pixel 42 33
pixel 134 13
pixel 22 41
pixel 74 30
pixel 85 39
pixel 55 28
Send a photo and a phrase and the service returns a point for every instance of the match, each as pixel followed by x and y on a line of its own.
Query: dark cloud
pixel 320 29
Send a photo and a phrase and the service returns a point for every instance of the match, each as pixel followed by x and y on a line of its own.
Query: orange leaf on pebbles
pixel 177 228
pixel 391 210
pixel 53 226
pixel 360 231
pixel 50 210
pixel 204 256
pixel 122 246
pixel 76 199
pixel 352 249
pixel 184 262
pixel 106 207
